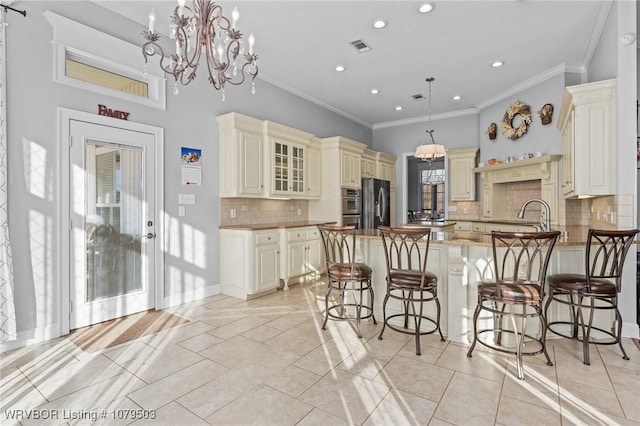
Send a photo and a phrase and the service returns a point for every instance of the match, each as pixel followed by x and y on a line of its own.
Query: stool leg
pixel 326 303
pixel 417 321
pixel 371 296
pixel 438 318
pixel 619 336
pixel 359 311
pixel 543 337
pixel 519 342
pixel 586 331
pixel 476 313
pixel 384 314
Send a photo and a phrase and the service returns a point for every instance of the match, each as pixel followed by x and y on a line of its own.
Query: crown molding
pixel 443 116
pixel 527 84
pixel 279 84
pixel 598 27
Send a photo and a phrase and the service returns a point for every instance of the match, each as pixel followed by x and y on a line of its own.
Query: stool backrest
pixel 339 243
pixel 606 252
pixel 522 256
pixel 406 249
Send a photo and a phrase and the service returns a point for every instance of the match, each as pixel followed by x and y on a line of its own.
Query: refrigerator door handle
pixel 382 208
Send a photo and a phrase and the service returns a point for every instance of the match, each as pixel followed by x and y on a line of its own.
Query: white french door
pixel 112 236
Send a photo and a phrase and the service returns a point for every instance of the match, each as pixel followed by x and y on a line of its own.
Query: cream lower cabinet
pixel 249 262
pixel 303 253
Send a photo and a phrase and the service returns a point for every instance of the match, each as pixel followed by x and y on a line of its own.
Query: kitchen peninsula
pixel 460 260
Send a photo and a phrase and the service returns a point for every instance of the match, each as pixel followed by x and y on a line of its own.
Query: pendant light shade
pixel 429 151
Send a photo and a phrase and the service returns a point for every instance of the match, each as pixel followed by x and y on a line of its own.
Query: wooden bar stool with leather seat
pixel 345 275
pixel 595 290
pixel 520 262
pixel 409 281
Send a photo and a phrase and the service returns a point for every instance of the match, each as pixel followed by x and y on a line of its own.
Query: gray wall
pixel 543 138
pixel 32 99
pixel 453 133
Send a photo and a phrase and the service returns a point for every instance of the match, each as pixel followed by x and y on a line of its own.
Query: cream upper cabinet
pixel 462 178
pixel 587 121
pixel 313 170
pixel 350 174
pixel 241 156
pixel 286 160
pixel 386 167
pixel 368 164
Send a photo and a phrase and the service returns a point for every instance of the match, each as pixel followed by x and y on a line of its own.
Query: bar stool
pixel 345 275
pixel 520 262
pixel 595 290
pixel 408 281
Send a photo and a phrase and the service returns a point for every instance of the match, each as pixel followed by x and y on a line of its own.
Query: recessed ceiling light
pixel 457 97
pixel 339 68
pixel 426 8
pixel 374 91
pixel 398 108
pixel 379 24
pixel 497 64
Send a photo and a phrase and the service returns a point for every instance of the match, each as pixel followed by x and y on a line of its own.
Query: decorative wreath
pixel 517 108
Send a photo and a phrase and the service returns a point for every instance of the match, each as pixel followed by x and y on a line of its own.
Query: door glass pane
pixel 114 208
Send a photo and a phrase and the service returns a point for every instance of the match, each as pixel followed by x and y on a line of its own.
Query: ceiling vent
pixel 418 97
pixel 360 45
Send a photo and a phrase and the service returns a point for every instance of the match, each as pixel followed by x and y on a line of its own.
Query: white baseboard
pixel 630 329
pixel 190 296
pixel 31 337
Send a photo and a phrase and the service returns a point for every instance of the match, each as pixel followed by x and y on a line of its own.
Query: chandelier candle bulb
pixel 152 20
pixel 252 40
pixel 234 16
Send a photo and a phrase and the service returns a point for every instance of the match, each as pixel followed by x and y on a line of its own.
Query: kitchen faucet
pixel 545 216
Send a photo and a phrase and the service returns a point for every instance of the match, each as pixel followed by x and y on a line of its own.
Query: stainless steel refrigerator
pixel 376 208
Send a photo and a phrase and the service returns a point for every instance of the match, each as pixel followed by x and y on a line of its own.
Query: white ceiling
pixel 299 44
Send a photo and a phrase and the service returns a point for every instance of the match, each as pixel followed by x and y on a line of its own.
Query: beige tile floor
pixel 267 362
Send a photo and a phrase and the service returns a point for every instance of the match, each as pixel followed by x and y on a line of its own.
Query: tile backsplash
pixel 251 211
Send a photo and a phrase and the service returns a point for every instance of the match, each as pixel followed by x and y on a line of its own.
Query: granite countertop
pixel 431 223
pixel 280 225
pixel 574 237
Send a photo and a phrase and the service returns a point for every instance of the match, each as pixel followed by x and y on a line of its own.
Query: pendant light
pixel 430 151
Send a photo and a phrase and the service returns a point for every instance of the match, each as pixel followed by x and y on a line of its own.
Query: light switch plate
pixel 186 199
pixel 181 210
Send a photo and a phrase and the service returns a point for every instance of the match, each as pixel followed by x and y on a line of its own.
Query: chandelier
pixel 430 151
pixel 206 32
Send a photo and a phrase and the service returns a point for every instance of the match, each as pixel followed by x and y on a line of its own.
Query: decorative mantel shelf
pixel 518 163
pixel 494 178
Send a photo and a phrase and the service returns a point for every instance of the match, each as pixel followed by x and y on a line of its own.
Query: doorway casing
pixel 65 116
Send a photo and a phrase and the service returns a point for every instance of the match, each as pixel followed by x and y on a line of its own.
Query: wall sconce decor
pixel 492 131
pixel 546 114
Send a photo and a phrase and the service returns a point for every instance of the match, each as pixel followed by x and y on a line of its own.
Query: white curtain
pixel 131 193
pixel 7 307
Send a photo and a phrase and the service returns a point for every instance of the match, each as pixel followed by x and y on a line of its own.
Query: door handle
pixel 149 236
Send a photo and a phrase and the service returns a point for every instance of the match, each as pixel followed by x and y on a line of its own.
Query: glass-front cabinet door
pixel 297 169
pixel 288 169
pixel 281 167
